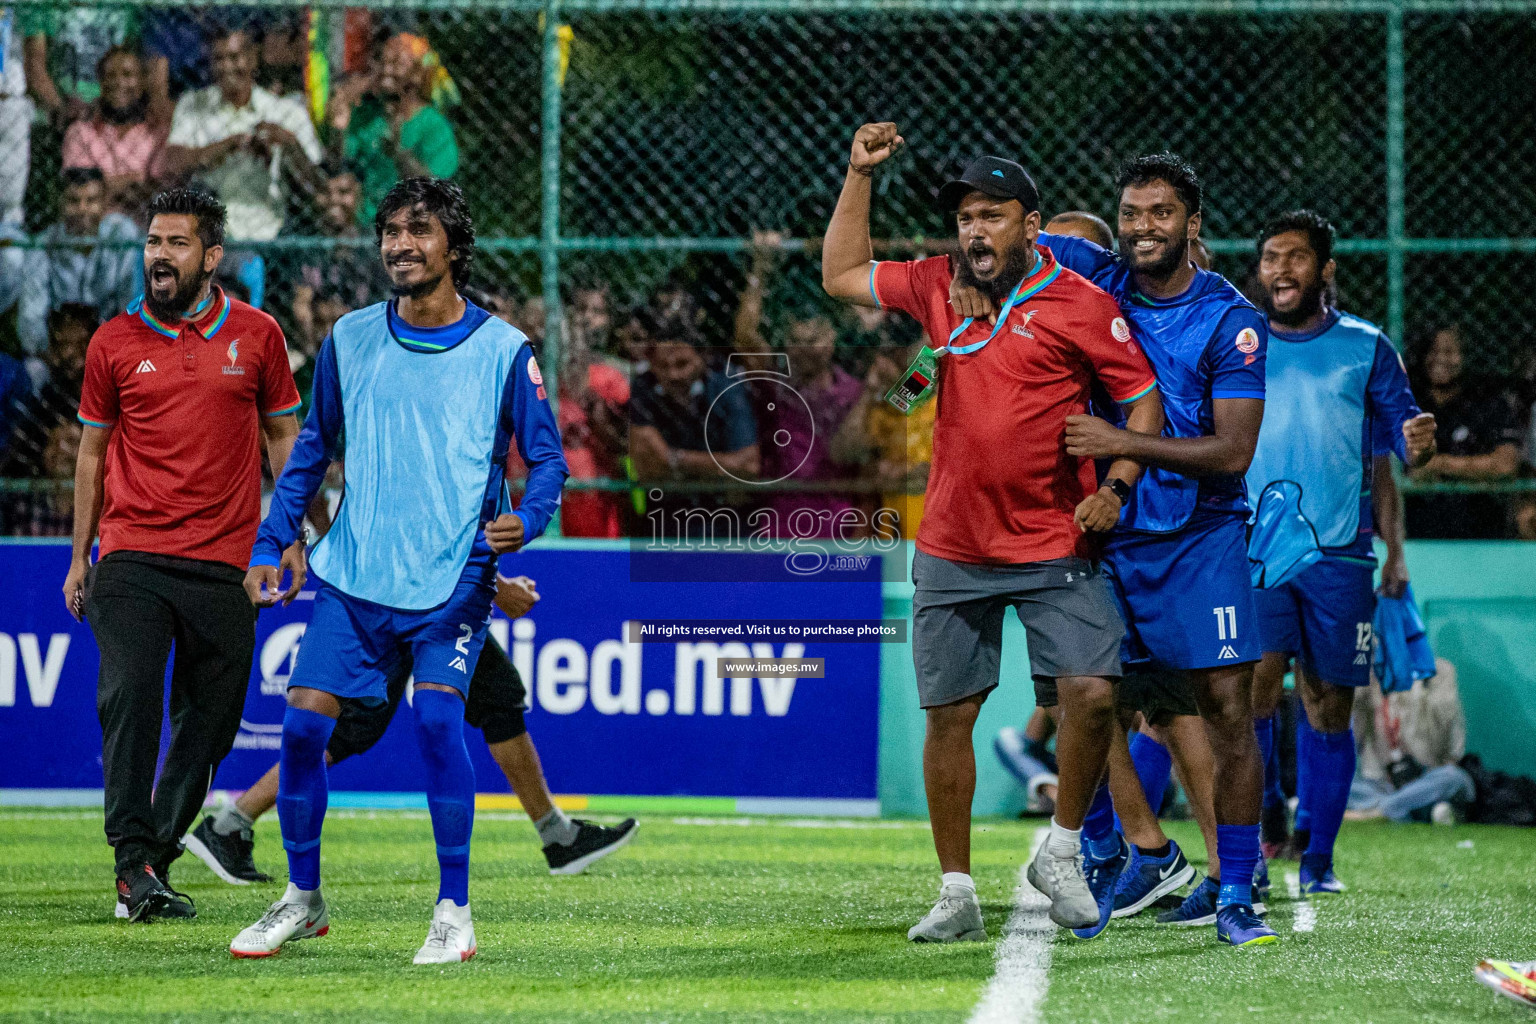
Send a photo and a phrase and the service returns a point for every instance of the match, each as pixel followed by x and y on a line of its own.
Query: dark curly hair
pixel 1315 226
pixel 443 200
pixel 193 201
pixel 1143 170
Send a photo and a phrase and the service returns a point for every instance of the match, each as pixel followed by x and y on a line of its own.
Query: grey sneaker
pixel 955 918
pixel 1061 879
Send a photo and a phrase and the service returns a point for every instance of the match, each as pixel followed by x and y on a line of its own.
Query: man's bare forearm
pixel 1145 417
pixel 847 246
pixel 88 499
pixel 1387 502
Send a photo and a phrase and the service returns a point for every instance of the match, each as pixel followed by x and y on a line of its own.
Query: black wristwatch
pixel 1120 487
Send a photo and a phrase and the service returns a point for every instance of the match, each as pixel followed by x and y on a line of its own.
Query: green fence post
pixel 1396 256
pixel 549 217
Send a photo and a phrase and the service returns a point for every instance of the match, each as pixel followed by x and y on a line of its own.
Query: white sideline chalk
pixel 1017 989
pixel 1305 917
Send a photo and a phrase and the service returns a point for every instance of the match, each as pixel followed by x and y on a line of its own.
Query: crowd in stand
pixel 131 100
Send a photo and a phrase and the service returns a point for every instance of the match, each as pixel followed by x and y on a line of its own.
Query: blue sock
pixel 1237 847
pixel 1333 769
pixel 450 787
pixel 1265 729
pixel 1153 767
pixel 1305 753
pixel 301 792
pixel 1100 839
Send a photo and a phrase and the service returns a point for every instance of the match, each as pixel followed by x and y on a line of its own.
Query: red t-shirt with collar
pixel 185 401
pixel 1002 488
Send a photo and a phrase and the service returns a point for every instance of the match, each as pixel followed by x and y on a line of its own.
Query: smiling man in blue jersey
pixel 1340 408
pixel 1178 559
pixel 431 392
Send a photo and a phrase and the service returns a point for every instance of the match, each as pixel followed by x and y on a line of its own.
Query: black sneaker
pixel 229 856
pixel 142 896
pixel 592 844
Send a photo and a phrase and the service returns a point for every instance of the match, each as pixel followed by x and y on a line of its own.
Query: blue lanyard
pixel 1018 296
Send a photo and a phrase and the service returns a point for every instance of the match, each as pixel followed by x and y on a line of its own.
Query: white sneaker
pixel 955 918
pixel 1061 879
pixel 451 939
pixel 298 915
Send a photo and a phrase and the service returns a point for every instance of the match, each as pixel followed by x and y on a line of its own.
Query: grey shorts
pixel 1066 607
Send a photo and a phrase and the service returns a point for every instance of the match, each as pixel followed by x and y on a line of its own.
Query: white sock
pixel 555 827
pixel 959 878
pixel 293 894
pixel 1064 842
pixel 231 819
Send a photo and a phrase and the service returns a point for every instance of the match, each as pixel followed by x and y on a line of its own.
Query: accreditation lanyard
pixel 1025 291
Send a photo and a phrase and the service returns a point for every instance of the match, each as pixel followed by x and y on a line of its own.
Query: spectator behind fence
pixel 687 422
pixel 72 267
pixel 55 395
pixel 243 142
pixel 593 398
pixel 796 432
pixel 66 49
pixel 1478 434
pixel 389 123
pixel 16 109
pixel 347 274
pixel 896 447
pixel 50 510
pixel 123 134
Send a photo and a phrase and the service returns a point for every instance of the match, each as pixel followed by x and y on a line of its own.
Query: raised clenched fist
pixel 872 144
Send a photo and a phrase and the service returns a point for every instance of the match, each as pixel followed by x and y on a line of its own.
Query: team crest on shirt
pixel 1120 329
pixel 1022 328
pixel 1247 340
pixel 533 372
pixel 234 354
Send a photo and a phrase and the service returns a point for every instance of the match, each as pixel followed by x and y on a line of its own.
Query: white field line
pixel 1305 917
pixel 1017 989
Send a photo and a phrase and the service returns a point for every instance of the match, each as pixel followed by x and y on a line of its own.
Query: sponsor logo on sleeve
pixel 1120 329
pixel 533 372
pixel 1247 340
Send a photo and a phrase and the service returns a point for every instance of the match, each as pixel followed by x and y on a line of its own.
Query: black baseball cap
pixel 998 178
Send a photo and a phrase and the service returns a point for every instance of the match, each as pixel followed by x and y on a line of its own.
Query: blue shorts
pixel 352 647
pixel 1185 596
pixel 1323 615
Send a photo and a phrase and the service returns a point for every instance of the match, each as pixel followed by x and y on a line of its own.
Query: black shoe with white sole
pixel 592 844
pixel 228 856
pixel 142 896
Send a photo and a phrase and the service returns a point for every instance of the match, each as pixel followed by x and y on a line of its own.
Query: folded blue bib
pixel 1282 542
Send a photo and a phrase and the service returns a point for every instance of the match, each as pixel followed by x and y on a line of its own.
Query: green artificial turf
pixel 719 920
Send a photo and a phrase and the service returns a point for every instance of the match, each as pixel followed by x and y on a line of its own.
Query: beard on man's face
pixel 1018 262
pixel 178 301
pixel 1309 303
pixel 1173 255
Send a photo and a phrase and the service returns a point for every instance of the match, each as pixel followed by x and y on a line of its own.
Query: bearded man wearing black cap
pixel 1010 515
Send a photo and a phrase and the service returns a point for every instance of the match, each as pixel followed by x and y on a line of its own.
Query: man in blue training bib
pixel 430 391
pixel 1178 561
pixel 1339 408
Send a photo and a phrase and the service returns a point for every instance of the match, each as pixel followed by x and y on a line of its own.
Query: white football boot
pixel 451 939
pixel 298 915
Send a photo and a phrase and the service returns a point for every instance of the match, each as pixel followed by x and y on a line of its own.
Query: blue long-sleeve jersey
pixel 427 417
pixel 1205 344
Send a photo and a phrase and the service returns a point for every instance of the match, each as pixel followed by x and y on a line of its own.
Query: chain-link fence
pixel 620 154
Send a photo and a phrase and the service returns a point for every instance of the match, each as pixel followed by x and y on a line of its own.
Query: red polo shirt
pixel 1002 488
pixel 185 402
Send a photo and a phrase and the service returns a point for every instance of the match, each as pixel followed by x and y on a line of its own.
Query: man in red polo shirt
pixel 1008 510
pixel 179 394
